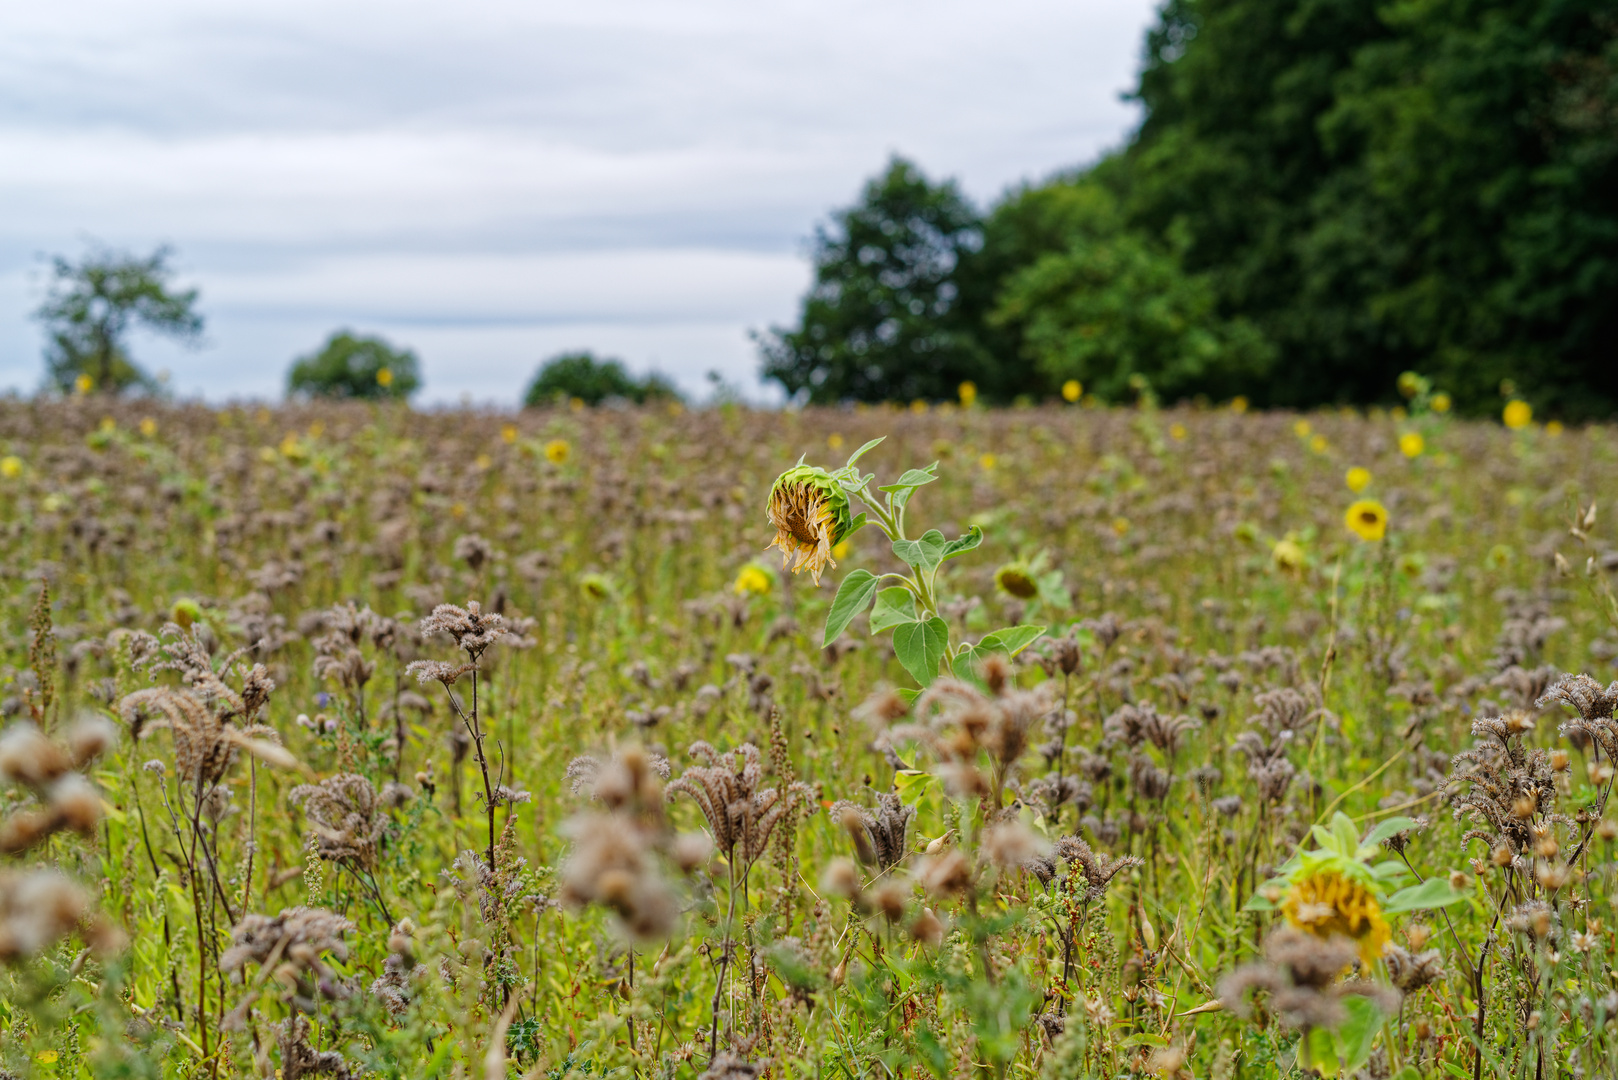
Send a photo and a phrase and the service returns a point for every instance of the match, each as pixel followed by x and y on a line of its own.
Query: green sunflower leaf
pixel 852 596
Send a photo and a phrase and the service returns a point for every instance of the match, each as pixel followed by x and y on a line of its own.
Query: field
pixel 271 810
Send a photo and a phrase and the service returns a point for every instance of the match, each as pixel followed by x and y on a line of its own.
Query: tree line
pixel 94 303
pixel 1319 197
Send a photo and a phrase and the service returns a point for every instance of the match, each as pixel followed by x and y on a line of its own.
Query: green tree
pixel 581 375
pixel 1429 185
pixel 93 304
pixel 1114 306
pixel 883 320
pixel 351 366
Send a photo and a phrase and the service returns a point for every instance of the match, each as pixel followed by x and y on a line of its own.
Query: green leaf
pixel 962 544
pixel 908 780
pixel 855 525
pixel 1317 1050
pixel 1435 892
pixel 913 479
pixel 908 694
pixel 1355 1035
pixel 861 452
pixel 924 554
pixel 920 646
pixel 1346 833
pixel 1010 640
pixel 1384 830
pixel 852 596
pixel 1257 902
pixel 893 606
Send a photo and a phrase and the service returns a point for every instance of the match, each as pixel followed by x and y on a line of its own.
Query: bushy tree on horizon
pixel 94 303
pixel 883 319
pixel 355 366
pixel 592 380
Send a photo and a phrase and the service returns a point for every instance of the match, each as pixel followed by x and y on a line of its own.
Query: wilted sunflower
pixel 1368 519
pixel 809 510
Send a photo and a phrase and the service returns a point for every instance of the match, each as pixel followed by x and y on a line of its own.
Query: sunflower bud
pixel 1016 580
pixel 810 512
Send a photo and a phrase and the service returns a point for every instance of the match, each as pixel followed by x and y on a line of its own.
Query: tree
pixel 882 321
pixel 1114 306
pixel 1381 187
pixel 350 366
pixel 580 375
pixel 94 303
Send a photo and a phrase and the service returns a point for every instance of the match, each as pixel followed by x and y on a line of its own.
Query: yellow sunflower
pixel 1328 904
pixel 1368 519
pixel 809 510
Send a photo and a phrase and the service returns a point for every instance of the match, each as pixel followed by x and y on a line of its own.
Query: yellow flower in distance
pixel 1177 432
pixel 1517 415
pixel 754 579
pixel 1440 403
pixel 1072 390
pixel 148 427
pixel 557 451
pixel 918 406
pixel 834 441
pixel 988 461
pixel 1288 554
pixel 1327 904
pixel 809 510
pixel 841 549
pixel 84 384
pixel 1318 444
pixel 1358 479
pixel 1411 444
pixel 1367 519
pixel 1553 428
pixel 1238 404
pixel 11 467
pixel 1302 428
pixel 969 393
pixel 384 377
pixel 508 434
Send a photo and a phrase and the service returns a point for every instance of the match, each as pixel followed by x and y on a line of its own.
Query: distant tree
pixel 883 320
pixel 94 303
pixel 581 375
pixel 1112 305
pixel 350 366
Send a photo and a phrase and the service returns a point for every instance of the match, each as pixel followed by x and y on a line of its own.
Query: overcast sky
pixel 490 182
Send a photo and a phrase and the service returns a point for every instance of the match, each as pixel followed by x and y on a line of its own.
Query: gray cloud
pixel 491 181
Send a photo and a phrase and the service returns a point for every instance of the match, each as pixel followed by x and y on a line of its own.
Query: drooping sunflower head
pixel 810 512
pixel 1368 519
pixel 1018 580
pixel 1328 903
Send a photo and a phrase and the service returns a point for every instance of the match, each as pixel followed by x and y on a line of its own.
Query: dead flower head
pixel 809 511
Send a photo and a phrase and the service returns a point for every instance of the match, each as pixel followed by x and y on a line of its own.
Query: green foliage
pixel 1114 307
pixel 93 304
pixel 580 375
pixel 351 366
pixel 883 321
pixel 1380 187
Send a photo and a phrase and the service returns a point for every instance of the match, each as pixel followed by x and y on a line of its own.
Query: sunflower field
pixel 1068 742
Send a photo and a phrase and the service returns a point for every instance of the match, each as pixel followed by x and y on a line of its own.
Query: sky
pixel 491 182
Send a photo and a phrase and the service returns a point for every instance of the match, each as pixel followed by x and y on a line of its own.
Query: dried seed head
pixel 1607 829
pixel 842 878
pixel 889 898
pixel 1502 856
pixel 28 757
pixel 89 738
pixel 1523 808
pixel 76 803
pixel 691 850
pixel 1560 762
pixel 927 928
